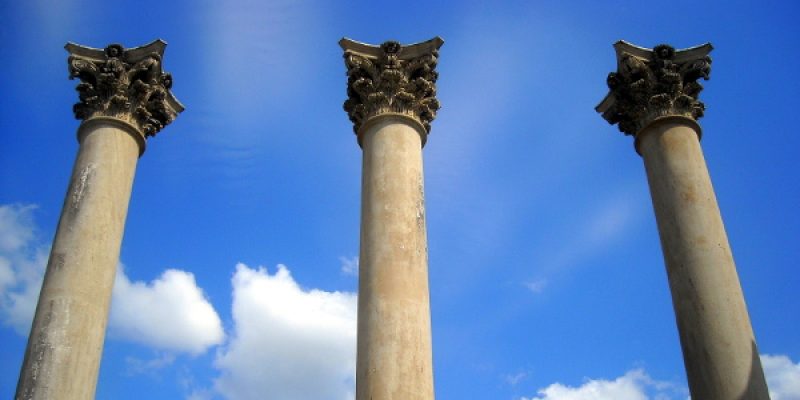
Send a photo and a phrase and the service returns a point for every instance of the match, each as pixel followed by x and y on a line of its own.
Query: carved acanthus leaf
pixel 654 83
pixel 391 79
pixel 127 84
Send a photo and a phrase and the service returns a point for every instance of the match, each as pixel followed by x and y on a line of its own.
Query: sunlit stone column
pixel 653 96
pixel 124 99
pixel 391 102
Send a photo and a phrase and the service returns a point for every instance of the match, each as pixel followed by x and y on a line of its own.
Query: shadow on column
pixel 757 383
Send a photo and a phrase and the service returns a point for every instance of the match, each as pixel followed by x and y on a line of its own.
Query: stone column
pixel 653 96
pixel 392 101
pixel 124 98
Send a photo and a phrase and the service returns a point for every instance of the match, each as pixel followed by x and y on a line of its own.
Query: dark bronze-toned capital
pixel 391 79
pixel 126 84
pixel 654 83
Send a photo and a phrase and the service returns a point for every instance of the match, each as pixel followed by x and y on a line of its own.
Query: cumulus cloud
pixel 170 313
pixel 22 264
pixel 287 342
pixel 783 377
pixel 634 385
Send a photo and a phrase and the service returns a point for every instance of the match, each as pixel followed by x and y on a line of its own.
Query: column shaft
pixel 123 98
pixel 66 341
pixel 653 96
pixel 391 92
pixel 719 349
pixel 394 334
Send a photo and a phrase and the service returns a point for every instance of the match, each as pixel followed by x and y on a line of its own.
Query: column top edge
pixel 624 48
pixel 407 51
pixel 130 54
pixel 681 55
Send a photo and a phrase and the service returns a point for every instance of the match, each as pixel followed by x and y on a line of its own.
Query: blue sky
pixel 547 280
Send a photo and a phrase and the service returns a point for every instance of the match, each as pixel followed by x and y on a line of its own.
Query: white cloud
pixel 288 343
pixel 783 377
pixel 22 264
pixel 349 265
pixel 634 385
pixel 170 313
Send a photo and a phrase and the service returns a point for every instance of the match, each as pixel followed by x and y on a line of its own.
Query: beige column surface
pixel 65 345
pixel 391 103
pixel 66 340
pixel 394 344
pixel 719 348
pixel 654 97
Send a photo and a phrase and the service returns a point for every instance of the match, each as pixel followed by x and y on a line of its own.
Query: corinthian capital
pixel 391 79
pixel 653 83
pixel 126 84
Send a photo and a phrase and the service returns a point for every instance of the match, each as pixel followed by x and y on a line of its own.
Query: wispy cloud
pixel 611 219
pixel 137 366
pixel 247 48
pixel 200 395
pixel 514 379
pixel 349 265
pixel 606 224
pixel 536 286
pixel 16 226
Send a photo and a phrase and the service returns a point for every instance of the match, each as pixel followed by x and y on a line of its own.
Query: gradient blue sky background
pixel 547 279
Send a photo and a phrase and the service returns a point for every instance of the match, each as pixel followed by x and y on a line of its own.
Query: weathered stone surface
pixel 65 344
pixel 124 98
pixel 127 84
pixel 654 83
pixel 654 97
pixel 391 78
pixel 719 348
pixel 391 103
pixel 394 358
